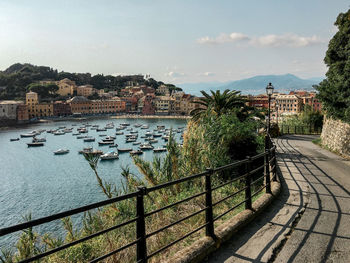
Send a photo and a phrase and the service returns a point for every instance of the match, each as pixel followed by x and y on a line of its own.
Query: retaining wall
pixel 336 136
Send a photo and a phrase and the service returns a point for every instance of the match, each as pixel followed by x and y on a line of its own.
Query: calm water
pixel 37 181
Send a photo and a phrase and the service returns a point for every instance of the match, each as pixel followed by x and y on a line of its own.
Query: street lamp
pixel 269 91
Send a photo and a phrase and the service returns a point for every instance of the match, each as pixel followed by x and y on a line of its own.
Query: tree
pixel 334 91
pixel 44 91
pixel 218 102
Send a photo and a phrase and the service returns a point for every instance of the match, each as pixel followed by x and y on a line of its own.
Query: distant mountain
pixel 256 85
pixel 195 88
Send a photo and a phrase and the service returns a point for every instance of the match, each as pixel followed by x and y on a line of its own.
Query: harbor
pixel 56 177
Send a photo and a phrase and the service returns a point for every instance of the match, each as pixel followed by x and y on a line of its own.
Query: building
pixel 131 104
pixel 260 101
pixel 80 105
pixel 107 106
pixel 8 109
pixel 22 113
pixel 61 108
pixel 163 105
pixel 147 105
pixel 163 90
pixel 66 87
pixel 288 104
pixel 86 90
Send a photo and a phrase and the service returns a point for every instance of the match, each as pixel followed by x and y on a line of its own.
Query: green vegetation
pixel 44 91
pixel 334 91
pixel 211 140
pixel 308 117
pixel 15 80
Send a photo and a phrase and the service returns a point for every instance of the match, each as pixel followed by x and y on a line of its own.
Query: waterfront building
pixel 131 104
pixel 22 113
pixel 8 109
pixel 308 98
pixel 61 108
pixel 163 105
pixel 80 105
pixel 37 109
pixel 107 106
pixel 146 105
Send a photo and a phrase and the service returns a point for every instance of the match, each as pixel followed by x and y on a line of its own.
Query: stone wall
pixel 336 136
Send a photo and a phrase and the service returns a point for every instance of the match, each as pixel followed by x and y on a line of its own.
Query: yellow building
pixel 66 87
pixel 288 104
pixel 36 109
pixel 80 105
pixel 107 106
pixel 164 105
pixel 86 90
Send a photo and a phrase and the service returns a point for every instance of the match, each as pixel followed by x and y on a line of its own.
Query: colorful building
pixel 8 109
pixel 86 90
pixel 61 108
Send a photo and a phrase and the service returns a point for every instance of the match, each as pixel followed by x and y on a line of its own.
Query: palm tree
pixel 218 102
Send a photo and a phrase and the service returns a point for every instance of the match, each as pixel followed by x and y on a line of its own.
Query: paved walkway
pixel 310 219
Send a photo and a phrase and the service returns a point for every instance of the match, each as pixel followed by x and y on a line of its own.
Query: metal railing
pixel 300 129
pixel 251 166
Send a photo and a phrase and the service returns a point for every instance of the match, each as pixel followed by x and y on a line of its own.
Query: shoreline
pixel 132 116
pixel 86 118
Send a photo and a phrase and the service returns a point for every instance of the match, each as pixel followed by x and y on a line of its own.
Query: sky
pixel 175 41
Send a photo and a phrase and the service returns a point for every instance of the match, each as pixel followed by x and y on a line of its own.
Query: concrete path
pixel 310 219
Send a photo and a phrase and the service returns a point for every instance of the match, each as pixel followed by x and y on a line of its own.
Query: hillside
pixel 256 85
pixel 15 79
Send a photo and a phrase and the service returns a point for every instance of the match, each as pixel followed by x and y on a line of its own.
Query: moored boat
pixel 157 150
pixel 136 152
pixel 14 139
pixel 35 144
pixel 89 139
pixel 124 150
pixel 61 151
pixel 109 156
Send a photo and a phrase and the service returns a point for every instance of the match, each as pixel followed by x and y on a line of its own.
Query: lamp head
pixel 269 89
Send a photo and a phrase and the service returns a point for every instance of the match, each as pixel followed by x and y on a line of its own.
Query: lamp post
pixel 269 92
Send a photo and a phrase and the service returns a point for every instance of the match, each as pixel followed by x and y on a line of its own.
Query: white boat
pixel 119 133
pixel 157 150
pixel 144 126
pixel 38 139
pixel 61 151
pixel 109 156
pixel 146 147
pixel 59 133
pixel 26 135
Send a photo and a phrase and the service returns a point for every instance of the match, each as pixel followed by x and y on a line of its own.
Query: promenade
pixel 310 219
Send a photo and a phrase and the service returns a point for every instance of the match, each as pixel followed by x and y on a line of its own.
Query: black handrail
pixel 269 166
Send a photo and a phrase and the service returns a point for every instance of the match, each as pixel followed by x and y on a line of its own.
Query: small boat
pixel 61 127
pixel 95 126
pixel 109 156
pixel 157 135
pixel 160 127
pixel 86 150
pixel 35 144
pixel 153 141
pixel 119 133
pixel 110 138
pixel 157 150
pixel 136 125
pixel 91 151
pixel 148 134
pixel 61 151
pixel 144 127
pixel 136 143
pixel 119 128
pixel 105 143
pixel 27 135
pixel 101 129
pixel 130 140
pixel 124 150
pixel 82 130
pixel 75 134
pixel 89 139
pixel 125 124
pixel 102 135
pixel 14 139
pixel 113 146
pixel 59 133
pixel 38 139
pixel 81 137
pixel 146 147
pixel 136 152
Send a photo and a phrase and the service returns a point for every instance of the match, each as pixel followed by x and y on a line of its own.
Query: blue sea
pixel 34 180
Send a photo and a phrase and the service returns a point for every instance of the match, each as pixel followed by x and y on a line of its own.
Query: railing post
pixel 248 191
pixel 209 219
pixel 274 175
pixel 141 226
pixel 288 129
pixel 267 171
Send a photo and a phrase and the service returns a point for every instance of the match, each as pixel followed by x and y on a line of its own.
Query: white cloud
pixel 285 40
pixel 223 38
pixel 207 74
pixel 175 74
